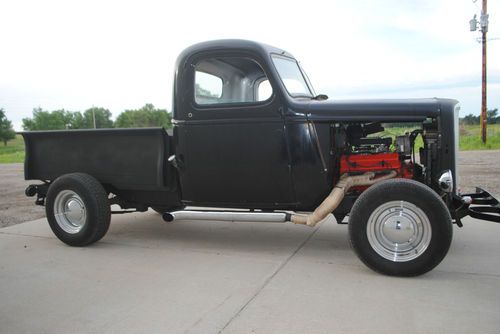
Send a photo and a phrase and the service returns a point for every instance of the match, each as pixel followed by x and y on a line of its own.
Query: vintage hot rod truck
pixel 250 135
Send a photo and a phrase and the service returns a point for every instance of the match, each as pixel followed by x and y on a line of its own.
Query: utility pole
pixel 484 30
pixel 93 116
pixel 483 24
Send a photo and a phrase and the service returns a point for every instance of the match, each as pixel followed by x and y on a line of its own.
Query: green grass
pixel 13 152
pixel 397 131
pixel 469 137
pixel 469 140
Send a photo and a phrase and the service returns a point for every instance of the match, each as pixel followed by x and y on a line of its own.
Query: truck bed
pixel 131 159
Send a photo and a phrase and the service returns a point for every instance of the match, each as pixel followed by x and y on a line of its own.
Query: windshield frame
pixel 304 76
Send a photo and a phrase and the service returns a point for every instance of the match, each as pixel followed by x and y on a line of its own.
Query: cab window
pixel 208 88
pixel 230 80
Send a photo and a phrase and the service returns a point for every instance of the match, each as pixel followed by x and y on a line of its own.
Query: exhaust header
pixel 326 207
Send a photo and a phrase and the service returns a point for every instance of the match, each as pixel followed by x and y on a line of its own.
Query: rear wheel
pixel 400 227
pixel 77 209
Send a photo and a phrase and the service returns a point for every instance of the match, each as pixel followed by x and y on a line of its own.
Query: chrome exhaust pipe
pixel 228 216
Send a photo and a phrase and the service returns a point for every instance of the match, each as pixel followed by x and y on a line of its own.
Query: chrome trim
pixel 232 216
pixel 399 231
pixel 446 181
pixel 70 211
pixel 467 199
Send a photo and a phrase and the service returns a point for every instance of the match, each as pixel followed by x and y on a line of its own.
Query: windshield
pixel 292 76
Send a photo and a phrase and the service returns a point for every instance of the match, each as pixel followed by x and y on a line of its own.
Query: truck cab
pixel 229 126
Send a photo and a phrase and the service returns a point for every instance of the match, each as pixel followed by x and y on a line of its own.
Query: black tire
pixel 373 228
pixel 89 221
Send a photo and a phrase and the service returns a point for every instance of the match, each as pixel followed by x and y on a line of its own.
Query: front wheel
pixel 400 227
pixel 78 209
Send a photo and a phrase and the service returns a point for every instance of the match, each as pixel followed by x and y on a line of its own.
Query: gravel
pixel 476 168
pixel 15 207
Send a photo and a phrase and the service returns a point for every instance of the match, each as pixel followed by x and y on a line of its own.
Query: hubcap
pixel 69 211
pixel 399 231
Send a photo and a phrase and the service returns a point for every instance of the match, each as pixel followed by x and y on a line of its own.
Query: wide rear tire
pixel 78 209
pixel 400 227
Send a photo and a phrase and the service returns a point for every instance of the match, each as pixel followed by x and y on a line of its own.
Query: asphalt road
pixel 147 276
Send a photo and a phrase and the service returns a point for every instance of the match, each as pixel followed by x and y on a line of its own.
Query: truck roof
pixel 238 44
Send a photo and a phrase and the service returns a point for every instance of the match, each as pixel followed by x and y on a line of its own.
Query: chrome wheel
pixel 69 211
pixel 399 231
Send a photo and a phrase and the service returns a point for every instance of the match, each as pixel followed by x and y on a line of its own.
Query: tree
pixel 6 131
pixel 470 120
pixel 147 116
pixel 48 120
pixel 492 116
pixel 77 122
pixel 102 118
pixel 62 119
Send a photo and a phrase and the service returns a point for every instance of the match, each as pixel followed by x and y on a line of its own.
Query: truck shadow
pixel 208 236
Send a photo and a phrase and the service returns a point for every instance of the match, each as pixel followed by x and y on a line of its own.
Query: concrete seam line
pixel 268 280
pixel 469 273
pixel 26 235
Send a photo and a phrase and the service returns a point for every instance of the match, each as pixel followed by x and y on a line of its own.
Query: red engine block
pixel 376 162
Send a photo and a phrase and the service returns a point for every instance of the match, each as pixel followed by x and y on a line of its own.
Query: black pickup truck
pixel 251 136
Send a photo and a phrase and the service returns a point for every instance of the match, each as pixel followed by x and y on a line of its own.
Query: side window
pixel 208 88
pixel 230 80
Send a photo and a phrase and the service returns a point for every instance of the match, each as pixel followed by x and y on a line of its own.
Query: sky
pixel 120 54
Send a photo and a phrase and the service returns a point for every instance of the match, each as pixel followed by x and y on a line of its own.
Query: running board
pixel 230 216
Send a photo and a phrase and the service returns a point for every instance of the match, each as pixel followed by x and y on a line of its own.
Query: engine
pixel 365 153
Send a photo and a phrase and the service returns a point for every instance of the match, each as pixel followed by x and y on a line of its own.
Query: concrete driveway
pixel 147 276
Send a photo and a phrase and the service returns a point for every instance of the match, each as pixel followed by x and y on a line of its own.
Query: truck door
pixel 230 134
